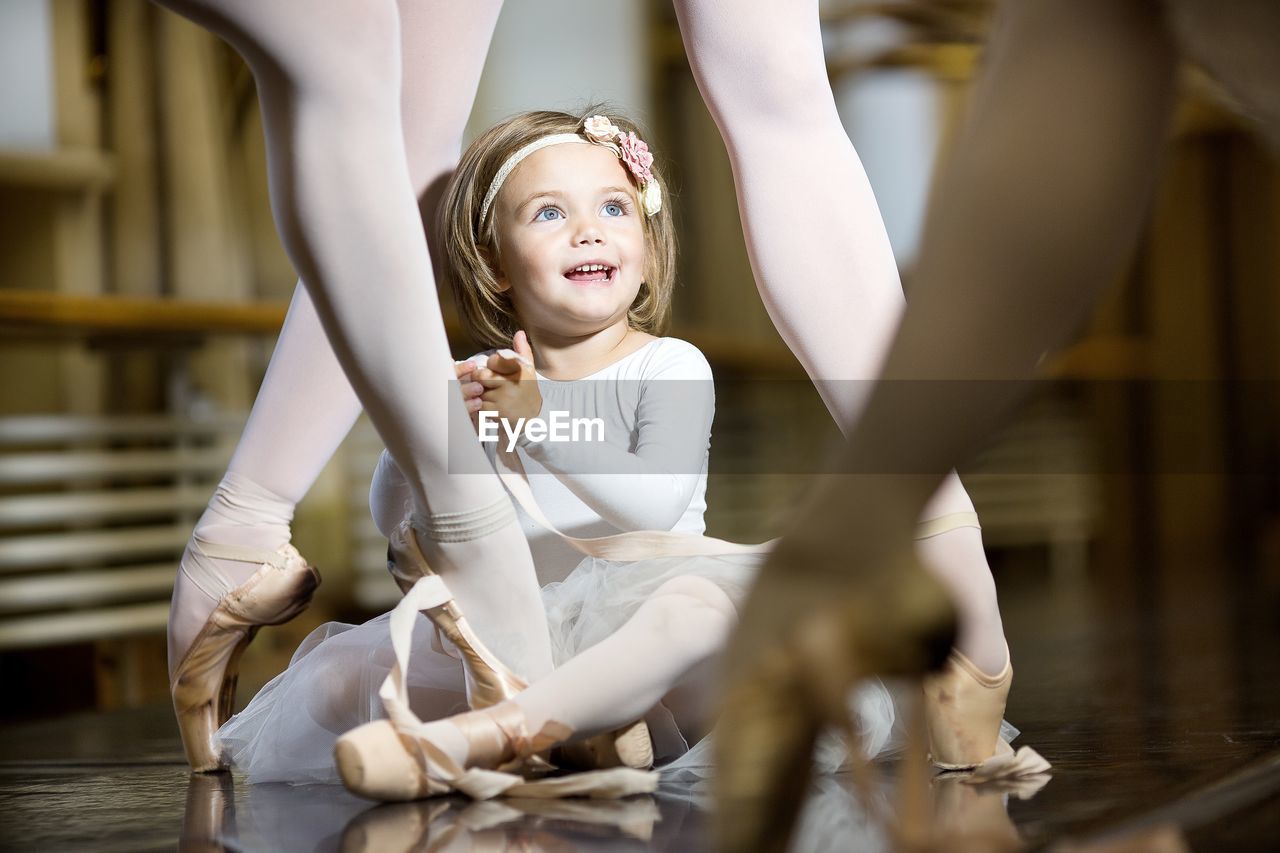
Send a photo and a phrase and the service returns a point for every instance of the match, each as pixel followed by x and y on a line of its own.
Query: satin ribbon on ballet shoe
pixel 395 759
pixel 488 680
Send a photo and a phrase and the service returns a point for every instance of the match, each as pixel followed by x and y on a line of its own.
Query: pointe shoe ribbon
pixel 488 681
pixel 403 736
pixel 1009 765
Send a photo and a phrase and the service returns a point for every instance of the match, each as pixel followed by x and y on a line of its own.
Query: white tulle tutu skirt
pixel 287 732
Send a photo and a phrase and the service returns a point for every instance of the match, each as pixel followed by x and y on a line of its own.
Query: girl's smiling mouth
pixel 592 272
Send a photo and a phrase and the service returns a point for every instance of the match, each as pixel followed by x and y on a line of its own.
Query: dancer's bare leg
pixel 818 245
pixel 343 196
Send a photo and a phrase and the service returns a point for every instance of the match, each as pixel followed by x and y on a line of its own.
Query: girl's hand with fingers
pixel 509 382
pixel 471 389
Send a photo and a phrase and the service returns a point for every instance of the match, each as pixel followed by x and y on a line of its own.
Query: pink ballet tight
pixel 364 105
pixel 817 244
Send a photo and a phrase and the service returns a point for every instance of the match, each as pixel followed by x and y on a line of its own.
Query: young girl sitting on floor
pixel 558 243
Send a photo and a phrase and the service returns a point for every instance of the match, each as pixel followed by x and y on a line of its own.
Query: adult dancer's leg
pixel 1043 195
pixel 329 81
pixel 817 244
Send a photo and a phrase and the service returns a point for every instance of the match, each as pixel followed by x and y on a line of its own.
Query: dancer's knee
pixel 785 82
pixel 347 52
pixel 691 614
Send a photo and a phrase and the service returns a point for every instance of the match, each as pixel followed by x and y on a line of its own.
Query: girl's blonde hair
pixel 471 249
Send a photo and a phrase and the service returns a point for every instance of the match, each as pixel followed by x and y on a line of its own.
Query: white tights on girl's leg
pixel 817 243
pixel 344 164
pixel 685 622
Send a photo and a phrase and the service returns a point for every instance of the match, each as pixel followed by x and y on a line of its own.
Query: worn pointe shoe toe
pixel 375 763
pixel 963 709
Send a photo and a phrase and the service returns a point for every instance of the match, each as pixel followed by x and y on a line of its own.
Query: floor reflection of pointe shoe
pixel 495 827
pixel 897 622
pixel 208 823
pixel 392 828
pixel 971 818
pixel 489 681
pixel 634 817
pixel 546 825
pixel 204 682
pixel 963 710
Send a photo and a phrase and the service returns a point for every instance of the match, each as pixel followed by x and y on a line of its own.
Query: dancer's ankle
pixel 243 513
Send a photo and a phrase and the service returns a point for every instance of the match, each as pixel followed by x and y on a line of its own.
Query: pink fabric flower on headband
pixel 631 150
pixel 635 153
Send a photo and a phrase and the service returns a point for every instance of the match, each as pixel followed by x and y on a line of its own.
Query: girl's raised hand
pixel 510 382
pixel 471 389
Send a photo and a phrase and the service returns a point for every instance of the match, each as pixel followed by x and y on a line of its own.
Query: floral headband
pixel 597 130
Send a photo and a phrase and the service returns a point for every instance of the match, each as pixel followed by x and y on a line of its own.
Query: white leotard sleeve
pixel 645 478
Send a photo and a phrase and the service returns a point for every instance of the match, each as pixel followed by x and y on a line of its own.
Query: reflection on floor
pixel 1161 716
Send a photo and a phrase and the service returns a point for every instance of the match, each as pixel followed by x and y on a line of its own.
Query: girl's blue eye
pixel 613 209
pixel 547 214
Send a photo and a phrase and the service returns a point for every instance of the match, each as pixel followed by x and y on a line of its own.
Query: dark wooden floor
pixel 1159 707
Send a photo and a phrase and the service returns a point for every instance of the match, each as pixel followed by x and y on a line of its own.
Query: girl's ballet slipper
pixel 204 682
pixel 630 746
pixel 897 622
pixel 393 762
pixel 389 762
pixel 488 680
pixel 395 759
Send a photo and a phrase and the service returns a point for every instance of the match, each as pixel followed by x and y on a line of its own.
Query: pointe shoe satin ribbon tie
pixel 438 771
pixel 488 680
pixel 1010 765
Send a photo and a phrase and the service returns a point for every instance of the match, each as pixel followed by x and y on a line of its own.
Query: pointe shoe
pixel 204 681
pixel 963 708
pixel 393 762
pixel 488 681
pixel 898 622
pixel 630 746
